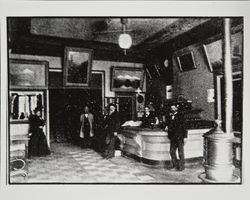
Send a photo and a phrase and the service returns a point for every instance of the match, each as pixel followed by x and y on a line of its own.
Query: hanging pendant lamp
pixel 125 40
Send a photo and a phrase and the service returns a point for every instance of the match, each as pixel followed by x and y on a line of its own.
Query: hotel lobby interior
pixel 58 65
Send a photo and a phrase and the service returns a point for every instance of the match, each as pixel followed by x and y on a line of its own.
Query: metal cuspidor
pixel 218 155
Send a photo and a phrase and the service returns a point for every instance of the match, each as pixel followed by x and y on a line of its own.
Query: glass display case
pixel 23 103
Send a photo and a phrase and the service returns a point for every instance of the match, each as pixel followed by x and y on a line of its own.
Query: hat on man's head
pixel 112 104
pixel 176 104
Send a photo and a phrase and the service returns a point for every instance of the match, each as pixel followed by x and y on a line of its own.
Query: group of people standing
pixel 110 128
pixel 38 145
pixel 174 125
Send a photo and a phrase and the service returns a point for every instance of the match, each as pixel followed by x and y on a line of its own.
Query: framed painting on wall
pixel 186 61
pixel 77 66
pixel 213 52
pixel 28 73
pixel 126 79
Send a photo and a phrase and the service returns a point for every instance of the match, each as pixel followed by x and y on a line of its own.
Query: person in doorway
pixel 86 130
pixel 113 128
pixel 176 133
pixel 38 145
pixel 149 120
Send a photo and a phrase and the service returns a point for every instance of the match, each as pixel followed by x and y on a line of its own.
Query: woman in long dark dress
pixel 38 145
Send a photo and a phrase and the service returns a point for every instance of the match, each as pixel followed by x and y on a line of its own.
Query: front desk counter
pixel 151 146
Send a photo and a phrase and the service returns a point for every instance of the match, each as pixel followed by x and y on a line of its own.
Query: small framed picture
pixel 186 61
pixel 77 66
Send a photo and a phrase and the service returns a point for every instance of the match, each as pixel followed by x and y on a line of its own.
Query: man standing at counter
pixel 176 133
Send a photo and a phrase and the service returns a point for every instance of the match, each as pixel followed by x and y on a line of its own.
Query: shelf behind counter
pixel 151 146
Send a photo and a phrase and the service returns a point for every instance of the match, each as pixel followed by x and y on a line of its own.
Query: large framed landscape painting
pixel 126 79
pixel 77 66
pixel 28 73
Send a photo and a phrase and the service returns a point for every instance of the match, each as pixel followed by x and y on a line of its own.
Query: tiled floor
pixel 72 164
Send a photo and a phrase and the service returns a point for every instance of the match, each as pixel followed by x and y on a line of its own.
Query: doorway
pixel 66 106
pixel 126 110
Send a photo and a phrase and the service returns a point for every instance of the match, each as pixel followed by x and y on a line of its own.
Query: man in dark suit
pixel 113 127
pixel 149 119
pixel 176 133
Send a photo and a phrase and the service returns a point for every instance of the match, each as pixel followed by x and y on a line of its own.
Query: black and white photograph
pixel 185 139
pixel 123 100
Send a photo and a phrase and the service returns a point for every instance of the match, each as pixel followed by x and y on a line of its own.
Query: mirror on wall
pixel 23 104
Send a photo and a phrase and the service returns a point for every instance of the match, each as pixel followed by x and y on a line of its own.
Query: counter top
pixel 145 131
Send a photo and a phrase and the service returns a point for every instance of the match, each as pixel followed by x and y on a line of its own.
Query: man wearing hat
pixel 176 133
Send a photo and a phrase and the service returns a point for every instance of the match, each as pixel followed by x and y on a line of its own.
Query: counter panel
pixel 154 145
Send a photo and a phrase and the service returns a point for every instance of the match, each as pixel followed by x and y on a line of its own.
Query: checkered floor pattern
pixel 72 164
pixel 69 164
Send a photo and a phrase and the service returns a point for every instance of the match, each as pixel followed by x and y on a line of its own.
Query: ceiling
pixel 41 35
pixel 99 29
pixel 108 29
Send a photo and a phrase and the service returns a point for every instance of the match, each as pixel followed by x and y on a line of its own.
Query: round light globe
pixel 125 41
